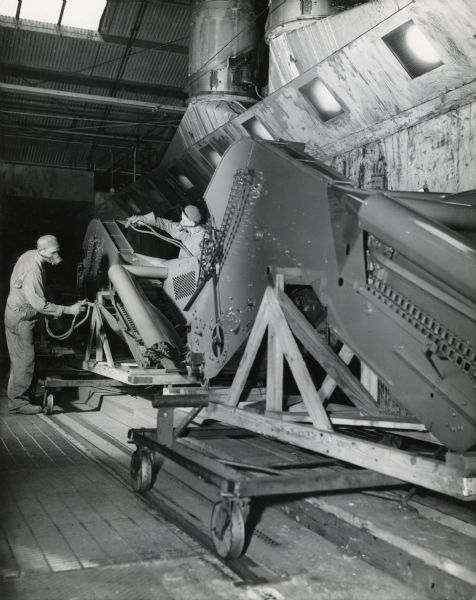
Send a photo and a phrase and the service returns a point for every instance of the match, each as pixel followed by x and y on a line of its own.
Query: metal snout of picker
pixel 377 287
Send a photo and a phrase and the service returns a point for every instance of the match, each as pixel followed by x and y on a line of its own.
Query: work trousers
pixel 19 334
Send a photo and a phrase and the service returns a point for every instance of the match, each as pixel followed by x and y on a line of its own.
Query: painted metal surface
pixel 265 222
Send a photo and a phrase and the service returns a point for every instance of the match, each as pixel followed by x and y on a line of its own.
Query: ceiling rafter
pixel 45 75
pixel 90 98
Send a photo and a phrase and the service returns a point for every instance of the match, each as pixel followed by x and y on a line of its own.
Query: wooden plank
pixel 329 385
pixel 297 276
pixel 252 346
pixel 326 358
pixel 275 363
pixel 379 423
pixel 151 377
pixel 291 351
pixel 315 482
pixel 274 373
pixel 374 422
pixel 413 468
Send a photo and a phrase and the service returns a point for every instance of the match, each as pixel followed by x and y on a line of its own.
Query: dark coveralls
pixel 25 300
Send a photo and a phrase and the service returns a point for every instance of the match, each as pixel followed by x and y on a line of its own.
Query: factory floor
pixel 71 528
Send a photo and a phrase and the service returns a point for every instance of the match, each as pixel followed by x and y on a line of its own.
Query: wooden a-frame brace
pixel 282 319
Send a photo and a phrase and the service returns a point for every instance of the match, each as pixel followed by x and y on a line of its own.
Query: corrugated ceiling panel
pixel 46 153
pixel 161 22
pixel 64 54
pixel 166 69
pixel 86 57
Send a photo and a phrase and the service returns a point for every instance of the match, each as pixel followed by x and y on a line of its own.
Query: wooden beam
pixel 274 373
pixel 407 466
pixel 274 364
pixel 329 385
pixel 251 350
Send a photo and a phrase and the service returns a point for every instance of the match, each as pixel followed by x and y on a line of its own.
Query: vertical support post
pixel 274 374
pixel 165 426
pixel 92 332
pixel 275 364
pixel 99 349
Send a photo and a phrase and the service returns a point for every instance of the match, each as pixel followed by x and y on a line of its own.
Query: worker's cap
pixel 193 213
pixel 47 242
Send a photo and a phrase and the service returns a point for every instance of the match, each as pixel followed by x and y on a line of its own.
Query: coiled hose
pixel 74 325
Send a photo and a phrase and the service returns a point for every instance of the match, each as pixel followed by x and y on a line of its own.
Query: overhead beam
pixel 60 113
pixel 47 75
pixel 10 88
pixel 152 45
pixel 88 138
pixel 184 3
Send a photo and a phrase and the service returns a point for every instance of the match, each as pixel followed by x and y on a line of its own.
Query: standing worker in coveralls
pixel 25 301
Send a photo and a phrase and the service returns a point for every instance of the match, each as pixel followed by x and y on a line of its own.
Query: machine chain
pixel 244 187
pixel 447 344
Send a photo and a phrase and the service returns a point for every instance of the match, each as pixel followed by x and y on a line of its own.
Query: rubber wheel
pixel 48 403
pixel 141 471
pixel 228 529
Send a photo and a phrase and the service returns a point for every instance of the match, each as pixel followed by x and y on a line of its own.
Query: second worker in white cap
pixel 188 231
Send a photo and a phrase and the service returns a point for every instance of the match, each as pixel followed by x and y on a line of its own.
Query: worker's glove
pixel 148 219
pixel 76 309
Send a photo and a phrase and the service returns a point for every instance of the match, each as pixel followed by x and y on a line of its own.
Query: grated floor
pixel 61 513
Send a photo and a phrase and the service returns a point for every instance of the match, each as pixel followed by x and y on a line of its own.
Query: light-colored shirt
pixel 27 288
pixel 191 237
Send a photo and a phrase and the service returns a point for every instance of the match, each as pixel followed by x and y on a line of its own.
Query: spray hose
pixel 73 326
pixel 150 231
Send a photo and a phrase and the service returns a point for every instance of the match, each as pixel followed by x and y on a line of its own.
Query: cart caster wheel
pixel 48 403
pixel 141 471
pixel 228 529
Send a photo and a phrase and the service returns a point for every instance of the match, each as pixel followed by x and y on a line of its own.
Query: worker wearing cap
pixel 188 231
pixel 25 301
